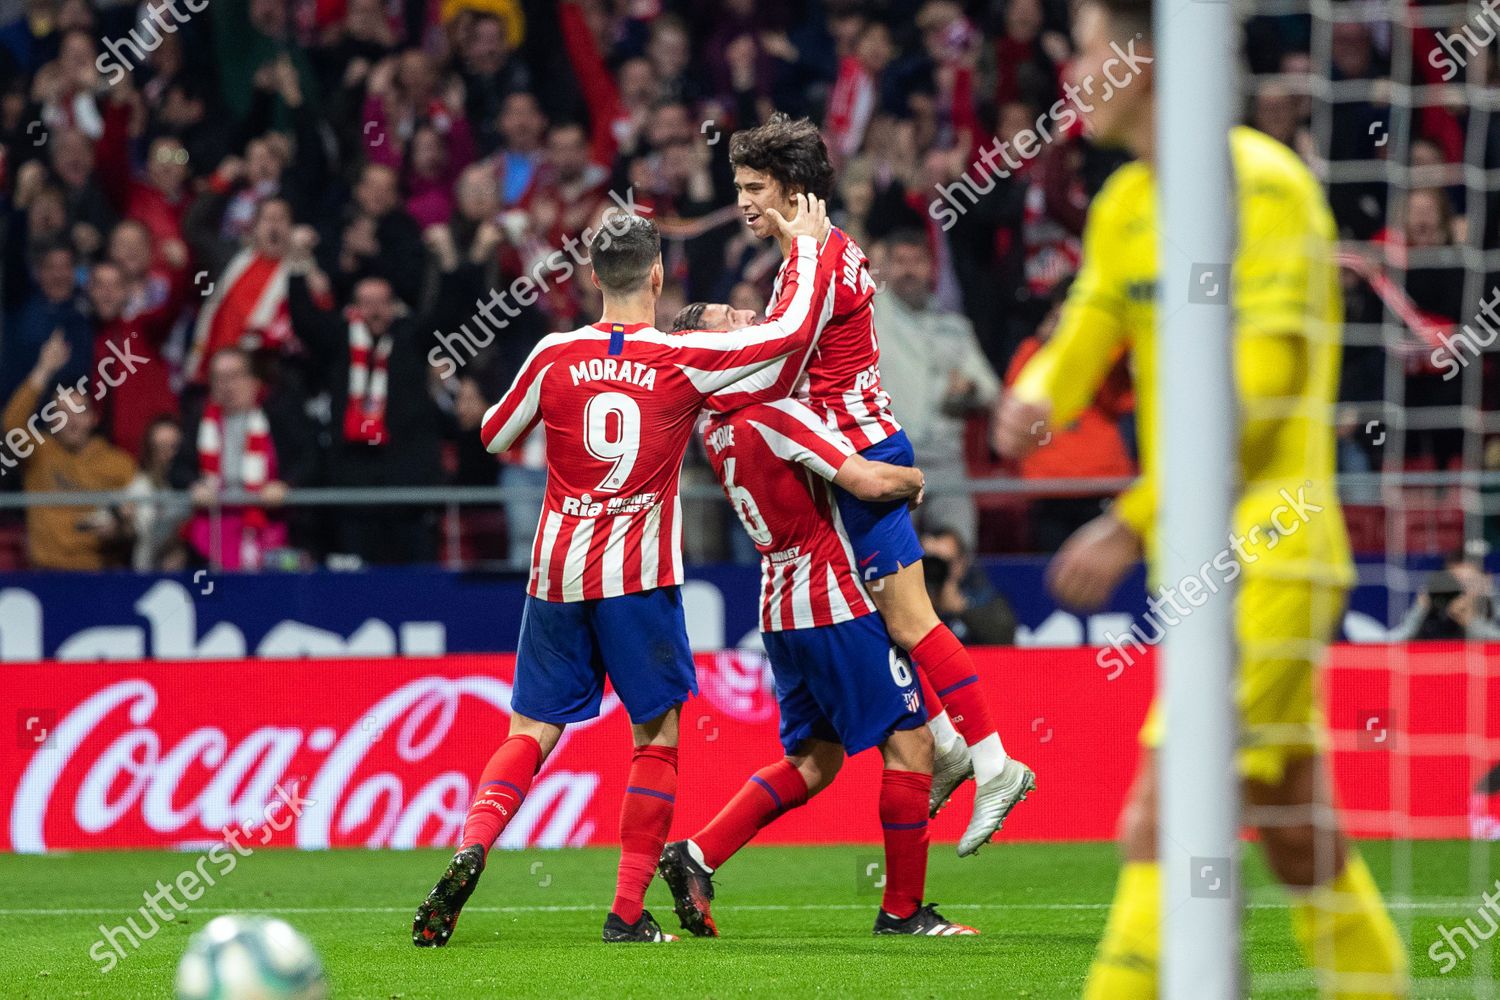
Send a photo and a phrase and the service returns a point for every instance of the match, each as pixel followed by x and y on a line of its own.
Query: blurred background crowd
pixel 272 244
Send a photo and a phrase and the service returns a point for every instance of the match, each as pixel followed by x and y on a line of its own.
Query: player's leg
pixel 813 758
pixel 890 559
pixel 1000 781
pixel 687 866
pixel 556 682
pixel 642 643
pixel 1125 964
pixel 905 783
pixel 645 818
pixel 1337 912
pixel 1338 916
pixel 952 764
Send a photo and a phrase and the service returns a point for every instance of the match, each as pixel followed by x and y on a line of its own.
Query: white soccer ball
pixel 238 957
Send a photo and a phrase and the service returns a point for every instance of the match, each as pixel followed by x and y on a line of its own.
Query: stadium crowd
pixel 260 244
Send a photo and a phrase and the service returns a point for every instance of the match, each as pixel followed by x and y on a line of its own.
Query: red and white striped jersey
pixel 839 374
pixel 774 461
pixel 619 404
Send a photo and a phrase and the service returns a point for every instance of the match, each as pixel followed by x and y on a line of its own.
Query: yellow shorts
pixel 1283 628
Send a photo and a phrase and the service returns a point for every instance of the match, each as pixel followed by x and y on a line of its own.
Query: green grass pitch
pixel 796 923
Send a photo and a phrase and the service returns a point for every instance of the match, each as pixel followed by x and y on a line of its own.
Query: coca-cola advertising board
pixel 386 752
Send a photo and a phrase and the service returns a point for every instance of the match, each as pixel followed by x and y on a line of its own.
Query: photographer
pixel 1456 604
pixel 962 594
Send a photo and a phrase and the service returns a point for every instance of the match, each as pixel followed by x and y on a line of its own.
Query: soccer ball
pixel 250 958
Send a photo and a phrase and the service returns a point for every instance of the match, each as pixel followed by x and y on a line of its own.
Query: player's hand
pixel 1092 562
pixel 1020 427
pixel 811 218
pixel 919 489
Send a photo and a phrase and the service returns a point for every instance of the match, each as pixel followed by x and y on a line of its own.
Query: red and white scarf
pixel 256 459
pixel 364 414
pixel 247 308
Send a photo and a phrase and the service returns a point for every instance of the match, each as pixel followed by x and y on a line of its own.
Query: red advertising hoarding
pixel 385 753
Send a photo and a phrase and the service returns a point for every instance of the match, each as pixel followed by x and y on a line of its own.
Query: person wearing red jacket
pixel 158 198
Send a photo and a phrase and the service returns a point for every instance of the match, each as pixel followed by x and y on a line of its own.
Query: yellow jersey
pixel 1288 314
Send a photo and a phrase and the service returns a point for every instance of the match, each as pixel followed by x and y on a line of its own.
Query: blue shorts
pixel 639 641
pixel 844 683
pixel 881 534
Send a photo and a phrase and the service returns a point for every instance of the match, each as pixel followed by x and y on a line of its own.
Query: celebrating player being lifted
pixel 619 400
pixel 841 686
pixel 839 373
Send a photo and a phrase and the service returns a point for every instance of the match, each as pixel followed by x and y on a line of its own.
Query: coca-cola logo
pixel 120 767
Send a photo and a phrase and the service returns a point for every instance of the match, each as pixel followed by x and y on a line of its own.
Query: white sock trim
pixel 943 733
pixel 696 853
pixel 989 757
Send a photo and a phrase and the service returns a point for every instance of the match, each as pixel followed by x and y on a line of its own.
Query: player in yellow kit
pixel 1288 552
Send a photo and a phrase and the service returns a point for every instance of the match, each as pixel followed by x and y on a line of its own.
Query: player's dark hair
pixel 689 317
pixel 1129 16
pixel 623 250
pixel 789 149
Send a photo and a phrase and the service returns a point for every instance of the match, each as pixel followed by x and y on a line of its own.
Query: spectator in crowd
pixel 246 305
pixel 961 591
pixel 59 453
pixel 489 72
pixel 158 197
pixel 386 422
pixel 1090 448
pixel 157 522
pixel 122 327
pixel 54 305
pixel 377 238
pixel 937 375
pixel 242 440
pixel 522 129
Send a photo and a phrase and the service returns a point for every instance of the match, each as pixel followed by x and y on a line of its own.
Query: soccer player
pixel 840 375
pixel 841 686
pixel 619 400
pixel 1293 575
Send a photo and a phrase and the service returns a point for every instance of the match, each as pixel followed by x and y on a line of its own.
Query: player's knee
pixel 1137 832
pixel 819 765
pixel 546 734
pixel 909 750
pixel 1301 856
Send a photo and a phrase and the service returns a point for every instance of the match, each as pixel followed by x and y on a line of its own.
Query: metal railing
pixel 1476 493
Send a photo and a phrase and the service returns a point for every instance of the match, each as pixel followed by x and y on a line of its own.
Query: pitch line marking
pixel 1436 906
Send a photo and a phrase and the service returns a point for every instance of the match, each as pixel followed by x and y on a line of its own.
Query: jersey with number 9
pixel 619 403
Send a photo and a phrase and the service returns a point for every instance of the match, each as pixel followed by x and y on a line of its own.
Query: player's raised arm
pixel 714 360
pixel 512 418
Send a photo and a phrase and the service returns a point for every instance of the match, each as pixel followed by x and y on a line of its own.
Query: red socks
pixel 903 817
pixel 950 669
pixel 645 818
pixel 771 791
pixel 502 786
